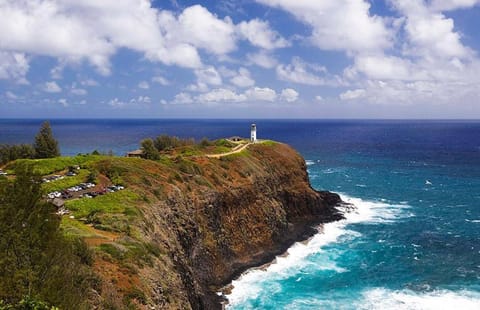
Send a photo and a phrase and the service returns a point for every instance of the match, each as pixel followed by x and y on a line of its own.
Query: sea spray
pixel 251 283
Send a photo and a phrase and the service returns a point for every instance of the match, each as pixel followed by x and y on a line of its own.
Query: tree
pixel 13 152
pixel 37 260
pixel 149 150
pixel 45 144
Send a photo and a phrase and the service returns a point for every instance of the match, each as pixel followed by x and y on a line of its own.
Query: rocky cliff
pixel 203 221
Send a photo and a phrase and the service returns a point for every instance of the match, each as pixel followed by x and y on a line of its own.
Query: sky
pixel 398 59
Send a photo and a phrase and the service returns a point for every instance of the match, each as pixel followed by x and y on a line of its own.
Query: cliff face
pixel 214 218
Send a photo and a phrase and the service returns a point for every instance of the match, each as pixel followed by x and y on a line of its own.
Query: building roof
pixel 57 202
pixel 136 152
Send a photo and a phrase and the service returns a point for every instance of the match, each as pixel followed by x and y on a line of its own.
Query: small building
pixel 58 203
pixel 136 153
pixel 236 139
pixel 253 133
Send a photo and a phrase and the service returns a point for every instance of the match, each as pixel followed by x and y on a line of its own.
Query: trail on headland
pixel 237 149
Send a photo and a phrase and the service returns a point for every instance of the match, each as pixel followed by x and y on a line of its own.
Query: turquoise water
pixel 413 240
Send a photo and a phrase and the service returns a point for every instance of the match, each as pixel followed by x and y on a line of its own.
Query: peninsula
pixel 169 233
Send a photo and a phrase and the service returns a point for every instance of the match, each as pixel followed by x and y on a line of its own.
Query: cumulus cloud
pixel 261 94
pixel 221 95
pixel 447 5
pixel 300 72
pixel 63 102
pixel 242 79
pixel 289 95
pixel 89 82
pixel 260 34
pixel 430 34
pixel 74 31
pixel 10 95
pixel 183 98
pixel 353 94
pixel 13 66
pixel 339 25
pixel 262 59
pixel 208 75
pixel 160 80
pixel 143 85
pixel 117 103
pixel 51 87
pixel 79 91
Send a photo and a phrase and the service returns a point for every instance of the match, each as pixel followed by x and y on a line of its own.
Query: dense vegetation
pixel 45 146
pixel 38 261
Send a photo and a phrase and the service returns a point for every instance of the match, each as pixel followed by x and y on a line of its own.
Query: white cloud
pixel 298 72
pixel 143 85
pixel 289 95
pixel 10 95
pixel 258 32
pixel 160 80
pixel 447 5
pixel 243 78
pixel 79 91
pixel 73 31
pixel 319 98
pixel 116 102
pixel 63 102
pixel 221 95
pixel 262 59
pixel 13 65
pixel 183 98
pixel 51 87
pixel 261 94
pixel 89 82
pixel 339 25
pixel 198 87
pixel 384 67
pixel 208 75
pixel 142 99
pixel 353 94
pixel 430 34
pixel 203 29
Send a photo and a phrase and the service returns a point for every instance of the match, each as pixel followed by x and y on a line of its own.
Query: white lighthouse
pixel 253 133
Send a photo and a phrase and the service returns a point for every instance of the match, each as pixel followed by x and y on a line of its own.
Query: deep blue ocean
pixel 412 241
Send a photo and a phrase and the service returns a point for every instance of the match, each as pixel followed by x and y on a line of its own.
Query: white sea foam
pixel 251 282
pixel 381 298
pixel 309 162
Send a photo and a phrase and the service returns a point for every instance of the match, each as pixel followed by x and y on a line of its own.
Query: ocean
pixel 411 242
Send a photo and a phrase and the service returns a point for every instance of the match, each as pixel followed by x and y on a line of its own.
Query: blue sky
pixel 240 59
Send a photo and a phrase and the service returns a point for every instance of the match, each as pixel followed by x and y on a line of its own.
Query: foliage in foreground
pixel 37 259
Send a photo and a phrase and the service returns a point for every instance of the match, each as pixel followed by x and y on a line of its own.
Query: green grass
pixel 66 182
pixel 72 227
pixel 118 202
pixel 269 142
pixel 52 165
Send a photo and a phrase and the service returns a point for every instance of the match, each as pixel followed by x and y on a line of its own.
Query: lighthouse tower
pixel 253 133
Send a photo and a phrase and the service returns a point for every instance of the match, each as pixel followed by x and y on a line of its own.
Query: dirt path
pixel 237 149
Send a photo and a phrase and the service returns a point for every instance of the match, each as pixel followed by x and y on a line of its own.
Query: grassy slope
pixel 119 214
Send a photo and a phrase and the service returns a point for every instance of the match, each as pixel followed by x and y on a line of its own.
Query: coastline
pixel 302 233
